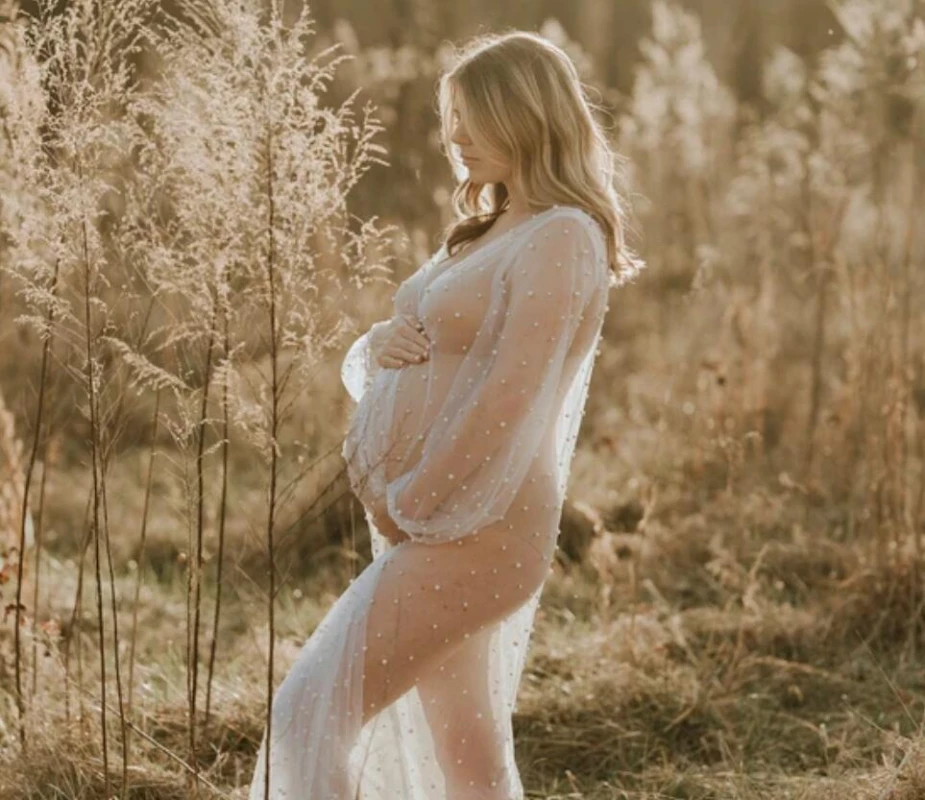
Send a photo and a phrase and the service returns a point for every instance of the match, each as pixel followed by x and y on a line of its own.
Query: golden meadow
pixel 203 205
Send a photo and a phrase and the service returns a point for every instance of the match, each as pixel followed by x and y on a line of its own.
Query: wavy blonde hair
pixel 523 100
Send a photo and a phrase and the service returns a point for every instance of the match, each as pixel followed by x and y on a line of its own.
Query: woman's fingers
pixel 412 331
pixel 403 344
pixel 408 343
pixel 413 346
pixel 391 362
pixel 393 356
pixel 406 352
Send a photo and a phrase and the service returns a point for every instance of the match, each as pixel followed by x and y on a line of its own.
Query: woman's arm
pixel 359 368
pixel 477 452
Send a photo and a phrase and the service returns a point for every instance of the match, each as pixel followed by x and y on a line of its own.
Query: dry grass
pixel 747 621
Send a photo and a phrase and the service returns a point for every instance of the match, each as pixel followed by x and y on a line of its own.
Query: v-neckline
pixel 461 257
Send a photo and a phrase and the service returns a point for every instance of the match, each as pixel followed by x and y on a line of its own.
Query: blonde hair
pixel 523 100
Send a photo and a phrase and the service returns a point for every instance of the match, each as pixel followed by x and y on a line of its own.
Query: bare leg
pixel 470 742
pixel 430 625
pixel 432 599
pixel 416 608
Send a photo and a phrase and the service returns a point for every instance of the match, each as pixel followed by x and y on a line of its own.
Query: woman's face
pixel 482 168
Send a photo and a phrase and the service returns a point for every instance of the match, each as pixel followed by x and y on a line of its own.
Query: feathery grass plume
pixel 833 178
pixel 678 133
pixel 70 140
pixel 239 218
pixel 677 97
pixel 19 104
pixel 873 84
pixel 804 348
pixel 18 101
pixel 789 199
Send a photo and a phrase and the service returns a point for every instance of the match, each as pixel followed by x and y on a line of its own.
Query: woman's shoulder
pixel 579 213
pixel 555 215
pixel 560 217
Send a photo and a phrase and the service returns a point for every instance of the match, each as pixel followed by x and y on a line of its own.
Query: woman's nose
pixel 458 135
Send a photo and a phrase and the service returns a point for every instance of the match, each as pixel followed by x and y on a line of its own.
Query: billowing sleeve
pixel 359 368
pixel 504 404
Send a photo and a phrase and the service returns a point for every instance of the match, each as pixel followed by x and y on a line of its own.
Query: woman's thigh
pixel 432 599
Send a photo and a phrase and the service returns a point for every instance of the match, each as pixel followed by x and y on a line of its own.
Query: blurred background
pixel 736 610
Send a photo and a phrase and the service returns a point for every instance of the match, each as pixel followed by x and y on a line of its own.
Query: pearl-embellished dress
pixel 406 689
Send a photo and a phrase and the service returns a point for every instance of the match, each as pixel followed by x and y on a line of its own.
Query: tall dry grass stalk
pixel 180 245
pixel 25 521
pixel 18 478
pixel 222 514
pixel 239 220
pixel 140 565
pixel 183 234
pixel 68 137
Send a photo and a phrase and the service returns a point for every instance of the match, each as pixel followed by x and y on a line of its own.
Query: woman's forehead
pixel 457 102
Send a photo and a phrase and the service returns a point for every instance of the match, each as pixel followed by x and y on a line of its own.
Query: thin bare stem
pixel 222 513
pixel 141 557
pixel 274 424
pixel 33 453
pixel 36 594
pixel 73 627
pixel 200 526
pixel 117 667
pixel 96 519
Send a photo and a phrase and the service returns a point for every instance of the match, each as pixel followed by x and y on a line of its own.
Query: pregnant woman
pixel 468 406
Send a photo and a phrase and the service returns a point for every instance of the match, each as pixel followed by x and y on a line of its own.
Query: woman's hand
pixel 386 525
pixel 398 342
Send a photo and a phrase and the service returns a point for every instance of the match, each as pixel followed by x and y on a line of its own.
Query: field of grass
pixel 736 609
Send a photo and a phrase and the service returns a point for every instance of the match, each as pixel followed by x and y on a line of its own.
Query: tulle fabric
pixel 470 452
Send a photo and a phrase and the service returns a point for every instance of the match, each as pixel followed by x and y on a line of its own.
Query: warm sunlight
pixel 462 401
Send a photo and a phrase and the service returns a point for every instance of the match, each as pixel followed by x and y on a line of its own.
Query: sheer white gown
pixel 406 689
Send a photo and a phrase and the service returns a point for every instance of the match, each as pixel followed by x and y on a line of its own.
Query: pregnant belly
pixel 389 425
pixel 419 394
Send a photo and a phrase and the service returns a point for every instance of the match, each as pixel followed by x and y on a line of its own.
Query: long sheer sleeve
pixel 359 368
pixel 544 316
